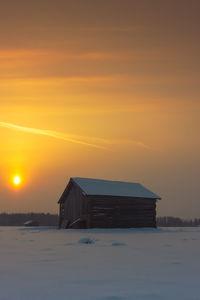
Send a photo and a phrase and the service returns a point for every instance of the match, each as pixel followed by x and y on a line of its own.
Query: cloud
pixel 38 56
pixel 41 55
pixel 131 143
pixel 55 134
pixel 90 29
pixel 83 140
pixel 111 29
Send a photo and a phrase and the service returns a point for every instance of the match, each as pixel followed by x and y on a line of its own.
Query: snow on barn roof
pixel 113 188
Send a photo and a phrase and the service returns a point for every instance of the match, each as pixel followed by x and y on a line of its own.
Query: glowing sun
pixel 16 180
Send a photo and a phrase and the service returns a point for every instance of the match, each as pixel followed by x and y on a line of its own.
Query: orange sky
pixel 103 89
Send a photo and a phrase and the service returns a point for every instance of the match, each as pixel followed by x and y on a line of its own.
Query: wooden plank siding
pixel 122 212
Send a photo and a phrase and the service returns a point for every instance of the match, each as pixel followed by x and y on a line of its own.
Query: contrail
pixel 95 142
pixel 54 134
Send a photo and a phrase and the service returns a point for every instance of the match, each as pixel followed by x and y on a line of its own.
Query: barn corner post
pixel 155 215
pixel 61 213
pixel 60 216
pixel 89 213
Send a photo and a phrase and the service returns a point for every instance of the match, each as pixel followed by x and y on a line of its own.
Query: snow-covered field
pixel 113 264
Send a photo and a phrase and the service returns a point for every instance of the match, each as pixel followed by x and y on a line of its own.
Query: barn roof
pixel 113 188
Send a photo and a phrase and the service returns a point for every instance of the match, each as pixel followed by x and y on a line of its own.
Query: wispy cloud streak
pixel 54 134
pixel 83 140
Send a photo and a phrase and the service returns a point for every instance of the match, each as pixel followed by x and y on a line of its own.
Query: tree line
pixel 47 219
pixel 18 219
pixel 177 222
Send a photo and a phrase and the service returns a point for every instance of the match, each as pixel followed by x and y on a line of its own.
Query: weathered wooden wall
pixel 125 212
pixel 74 208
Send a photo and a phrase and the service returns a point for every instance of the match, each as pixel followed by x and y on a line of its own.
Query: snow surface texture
pixel 103 264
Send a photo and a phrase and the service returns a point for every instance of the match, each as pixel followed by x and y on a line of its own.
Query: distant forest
pixel 177 222
pixel 19 219
pixel 52 220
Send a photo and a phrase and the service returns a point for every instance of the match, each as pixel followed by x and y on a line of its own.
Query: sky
pixel 99 89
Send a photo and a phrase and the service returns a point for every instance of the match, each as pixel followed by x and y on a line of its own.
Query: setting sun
pixel 17 180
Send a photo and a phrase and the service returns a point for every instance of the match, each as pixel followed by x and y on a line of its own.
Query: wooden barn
pixel 95 203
